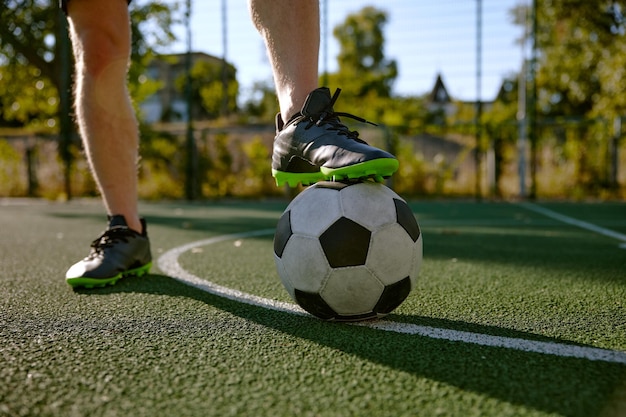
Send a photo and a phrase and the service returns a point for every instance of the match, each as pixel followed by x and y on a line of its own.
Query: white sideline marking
pixel 168 263
pixel 574 222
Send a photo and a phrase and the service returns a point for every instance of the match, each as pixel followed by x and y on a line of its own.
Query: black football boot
pixel 314 145
pixel 119 252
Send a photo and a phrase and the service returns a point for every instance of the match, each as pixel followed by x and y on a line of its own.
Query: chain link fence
pixel 472 46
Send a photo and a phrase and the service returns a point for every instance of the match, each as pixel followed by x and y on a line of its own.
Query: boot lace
pixel 331 119
pixel 108 238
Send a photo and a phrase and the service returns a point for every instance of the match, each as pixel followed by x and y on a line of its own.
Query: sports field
pixel 520 310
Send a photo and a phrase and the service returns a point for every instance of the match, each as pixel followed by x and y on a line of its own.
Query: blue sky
pixel 425 37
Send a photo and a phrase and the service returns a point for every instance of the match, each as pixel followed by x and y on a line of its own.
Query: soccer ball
pixel 348 251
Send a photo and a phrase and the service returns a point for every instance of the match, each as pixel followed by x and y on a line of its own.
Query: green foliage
pixel 405 114
pixel 27 98
pixel 411 176
pixel 610 100
pixel 366 76
pixel 363 69
pixel 30 47
pixel 582 65
pixel 151 25
pixel 161 167
pixel 219 175
pixel 256 178
pixel 580 77
pixel 506 105
pixel 228 166
pixel 207 91
pixel 29 74
pixel 10 164
pixel 212 91
pixel 35 62
pixel 579 145
pixel 263 105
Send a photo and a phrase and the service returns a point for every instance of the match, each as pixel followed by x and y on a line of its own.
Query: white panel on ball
pixel 304 263
pixel 314 210
pixel 352 290
pixel 392 249
pixel 369 204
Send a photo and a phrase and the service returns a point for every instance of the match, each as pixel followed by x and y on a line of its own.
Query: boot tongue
pixel 317 102
pixel 117 220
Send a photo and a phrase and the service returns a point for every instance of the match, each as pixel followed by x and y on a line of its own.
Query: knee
pixel 98 46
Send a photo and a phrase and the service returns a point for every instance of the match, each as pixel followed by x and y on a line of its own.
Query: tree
pixel 35 64
pixel 31 45
pixel 581 71
pixel 363 68
pixel 207 88
pixel 581 56
pixel 29 71
pixel 263 102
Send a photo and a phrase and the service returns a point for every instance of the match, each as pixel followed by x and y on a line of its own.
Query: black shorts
pixel 63 5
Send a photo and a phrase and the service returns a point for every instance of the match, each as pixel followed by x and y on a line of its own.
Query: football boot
pixel 117 253
pixel 314 145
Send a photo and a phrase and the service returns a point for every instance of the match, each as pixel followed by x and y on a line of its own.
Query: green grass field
pixel 155 346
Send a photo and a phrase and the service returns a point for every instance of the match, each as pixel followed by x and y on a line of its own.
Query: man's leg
pixel 100 32
pixel 292 36
pixel 311 143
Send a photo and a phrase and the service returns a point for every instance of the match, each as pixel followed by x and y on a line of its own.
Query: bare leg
pixel 100 33
pixel 292 36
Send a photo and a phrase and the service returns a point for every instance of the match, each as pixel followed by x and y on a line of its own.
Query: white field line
pixel 168 263
pixel 573 222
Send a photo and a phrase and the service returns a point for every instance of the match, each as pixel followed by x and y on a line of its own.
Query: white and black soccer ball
pixel 348 251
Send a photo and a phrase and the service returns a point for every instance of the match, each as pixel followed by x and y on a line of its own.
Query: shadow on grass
pixel 211 217
pixel 521 240
pixel 564 386
pixel 504 233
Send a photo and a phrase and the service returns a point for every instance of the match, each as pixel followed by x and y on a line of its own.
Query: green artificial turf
pixel 153 346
